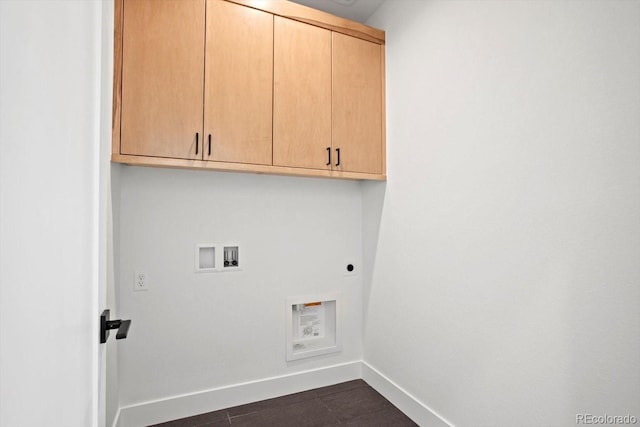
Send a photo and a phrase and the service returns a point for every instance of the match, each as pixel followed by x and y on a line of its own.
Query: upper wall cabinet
pixel 162 78
pixel 357 104
pixel 238 84
pixel 166 70
pixel 263 86
pixel 302 95
pixel 327 100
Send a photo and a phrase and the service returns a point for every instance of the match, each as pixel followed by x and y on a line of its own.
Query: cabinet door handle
pixel 338 153
pixel 197 143
pixel 329 151
pixel 209 144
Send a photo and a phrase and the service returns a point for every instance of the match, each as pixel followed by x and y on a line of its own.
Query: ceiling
pixel 356 10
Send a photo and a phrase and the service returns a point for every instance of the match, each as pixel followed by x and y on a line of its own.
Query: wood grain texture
pixel 383 110
pixel 357 104
pixel 117 76
pixel 162 77
pixel 317 18
pixel 238 83
pixel 155 26
pixel 240 167
pixel 302 95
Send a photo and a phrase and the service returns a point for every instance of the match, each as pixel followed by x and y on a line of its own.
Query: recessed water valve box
pixel 217 257
pixel 231 257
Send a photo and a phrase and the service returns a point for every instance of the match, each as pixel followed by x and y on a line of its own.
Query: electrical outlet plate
pixel 140 281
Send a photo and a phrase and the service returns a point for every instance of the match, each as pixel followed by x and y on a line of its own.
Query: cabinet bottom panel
pixel 240 167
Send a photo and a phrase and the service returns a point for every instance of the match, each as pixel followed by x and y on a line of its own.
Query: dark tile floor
pixel 353 404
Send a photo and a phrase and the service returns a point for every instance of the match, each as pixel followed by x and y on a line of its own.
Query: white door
pixel 108 195
pixel 50 126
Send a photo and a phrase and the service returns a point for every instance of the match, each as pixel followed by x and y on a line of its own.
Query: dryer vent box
pixel 312 326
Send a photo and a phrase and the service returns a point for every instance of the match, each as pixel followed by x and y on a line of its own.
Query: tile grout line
pixel 330 410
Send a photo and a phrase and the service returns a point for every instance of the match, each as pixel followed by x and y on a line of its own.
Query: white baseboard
pixel 153 412
pixel 420 413
pixel 172 408
pixel 116 419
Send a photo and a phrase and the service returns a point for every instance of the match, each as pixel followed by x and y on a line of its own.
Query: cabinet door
pixel 302 95
pixel 357 104
pixel 162 78
pixel 238 84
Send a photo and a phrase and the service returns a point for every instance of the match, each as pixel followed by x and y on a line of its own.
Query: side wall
pixel 194 332
pixel 503 252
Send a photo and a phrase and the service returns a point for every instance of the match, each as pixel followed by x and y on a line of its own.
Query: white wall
pixel 196 331
pixel 49 169
pixel 504 249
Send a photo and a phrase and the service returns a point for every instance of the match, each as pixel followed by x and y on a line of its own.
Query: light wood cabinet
pixel 168 78
pixel 302 95
pixel 357 104
pixel 327 100
pixel 240 85
pixel 162 78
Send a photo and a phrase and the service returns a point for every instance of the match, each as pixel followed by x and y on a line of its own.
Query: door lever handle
pixel 105 325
